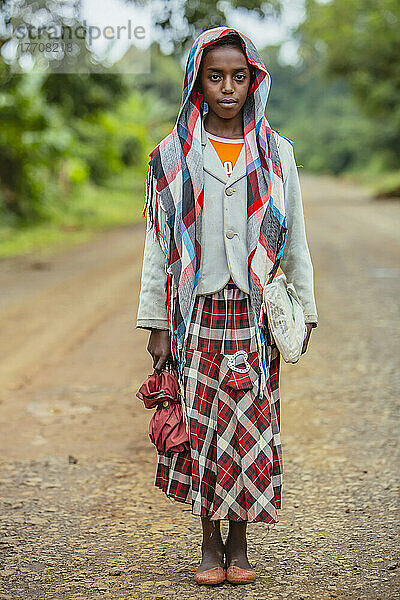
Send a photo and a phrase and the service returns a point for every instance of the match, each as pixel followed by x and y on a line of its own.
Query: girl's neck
pixel 225 128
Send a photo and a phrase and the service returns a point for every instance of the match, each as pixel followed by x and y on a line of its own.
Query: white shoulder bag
pixel 285 318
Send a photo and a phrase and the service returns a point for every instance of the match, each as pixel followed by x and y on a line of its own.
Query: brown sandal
pixel 235 574
pixel 211 576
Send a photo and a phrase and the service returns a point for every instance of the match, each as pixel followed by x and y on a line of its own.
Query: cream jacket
pixel 224 229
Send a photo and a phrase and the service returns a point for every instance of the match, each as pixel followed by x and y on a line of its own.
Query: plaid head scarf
pixel 175 179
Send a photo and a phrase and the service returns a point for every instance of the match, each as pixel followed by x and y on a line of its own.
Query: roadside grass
pixel 90 210
pixel 378 183
pixel 388 186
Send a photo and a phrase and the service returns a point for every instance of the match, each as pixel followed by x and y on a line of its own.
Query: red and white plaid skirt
pixel 233 469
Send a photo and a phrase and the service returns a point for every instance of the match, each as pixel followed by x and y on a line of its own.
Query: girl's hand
pixel 159 347
pixel 305 343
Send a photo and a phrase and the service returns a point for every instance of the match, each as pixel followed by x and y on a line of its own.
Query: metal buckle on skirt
pixel 232 361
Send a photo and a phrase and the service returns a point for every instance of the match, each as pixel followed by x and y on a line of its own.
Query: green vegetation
pixel 64 175
pixel 74 148
pixel 355 45
pixel 88 209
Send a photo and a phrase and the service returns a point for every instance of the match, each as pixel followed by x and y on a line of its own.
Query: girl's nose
pixel 227 85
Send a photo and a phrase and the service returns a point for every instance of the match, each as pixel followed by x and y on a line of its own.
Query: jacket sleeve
pixel 296 260
pixel 152 312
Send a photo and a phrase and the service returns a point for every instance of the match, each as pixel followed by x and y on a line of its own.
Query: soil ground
pixel 80 518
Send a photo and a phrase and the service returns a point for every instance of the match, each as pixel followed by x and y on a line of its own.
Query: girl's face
pixel 225 80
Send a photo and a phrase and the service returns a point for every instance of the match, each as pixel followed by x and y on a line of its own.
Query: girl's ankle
pixel 235 546
pixel 214 547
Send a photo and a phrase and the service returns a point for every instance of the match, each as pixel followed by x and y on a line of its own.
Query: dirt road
pixel 80 518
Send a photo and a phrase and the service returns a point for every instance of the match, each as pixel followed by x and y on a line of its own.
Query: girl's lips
pixel 227 102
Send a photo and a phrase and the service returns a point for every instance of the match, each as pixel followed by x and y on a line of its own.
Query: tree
pixel 181 21
pixel 359 40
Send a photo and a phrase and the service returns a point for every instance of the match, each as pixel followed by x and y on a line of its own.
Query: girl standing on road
pixel 224 211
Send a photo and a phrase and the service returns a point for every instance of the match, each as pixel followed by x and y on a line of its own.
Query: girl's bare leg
pixel 236 545
pixel 212 546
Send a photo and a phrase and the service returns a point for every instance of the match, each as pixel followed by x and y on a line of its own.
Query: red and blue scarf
pixel 175 181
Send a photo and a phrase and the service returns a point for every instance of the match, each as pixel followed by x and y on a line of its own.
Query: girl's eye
pixel 216 76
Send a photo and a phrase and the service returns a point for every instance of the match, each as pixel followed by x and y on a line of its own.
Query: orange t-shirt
pixel 228 151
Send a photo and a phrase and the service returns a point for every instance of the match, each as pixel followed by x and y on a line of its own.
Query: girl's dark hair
pixel 232 39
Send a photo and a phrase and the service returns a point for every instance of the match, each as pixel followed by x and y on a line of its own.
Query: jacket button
pixel 229 191
pixel 229 234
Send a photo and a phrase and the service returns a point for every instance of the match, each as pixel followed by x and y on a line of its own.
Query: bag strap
pixel 276 136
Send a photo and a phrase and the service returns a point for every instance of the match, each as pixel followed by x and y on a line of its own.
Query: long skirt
pixel 233 469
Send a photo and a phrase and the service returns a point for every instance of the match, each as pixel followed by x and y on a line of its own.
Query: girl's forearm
pixel 152 313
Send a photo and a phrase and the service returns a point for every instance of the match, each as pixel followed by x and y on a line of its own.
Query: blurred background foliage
pixel 74 147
